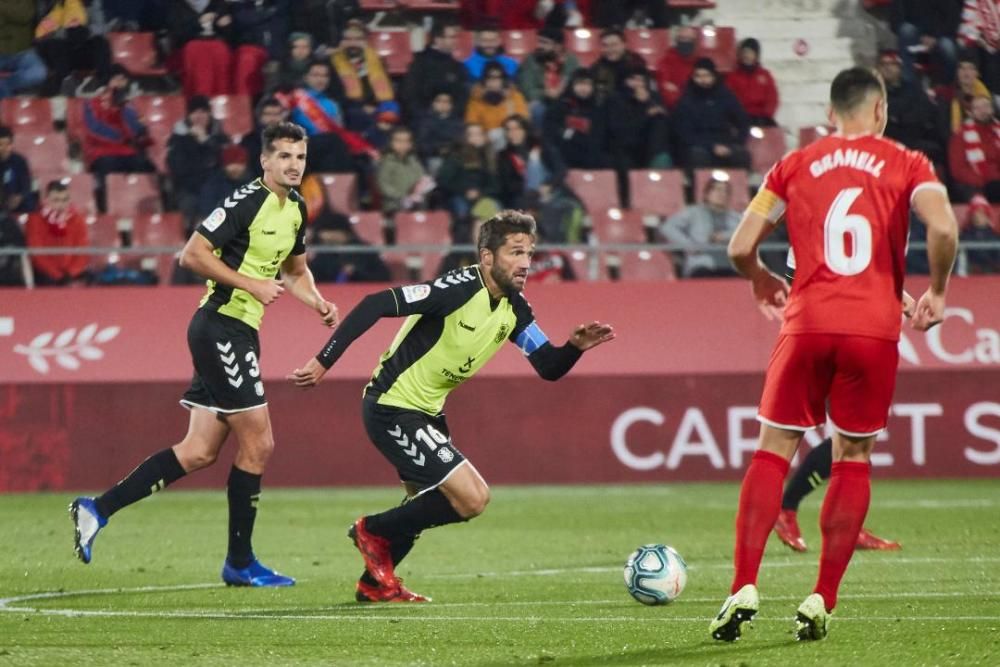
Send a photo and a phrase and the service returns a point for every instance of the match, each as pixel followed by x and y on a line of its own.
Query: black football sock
pixel 154 474
pixel 809 476
pixel 398 548
pixel 243 493
pixel 425 511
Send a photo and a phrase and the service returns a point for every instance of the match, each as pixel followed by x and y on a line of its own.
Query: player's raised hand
pixel 328 311
pixel 591 335
pixel 928 312
pixel 266 291
pixel 771 294
pixel 307 376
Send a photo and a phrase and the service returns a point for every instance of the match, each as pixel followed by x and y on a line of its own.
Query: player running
pixel 846 199
pixel 453 326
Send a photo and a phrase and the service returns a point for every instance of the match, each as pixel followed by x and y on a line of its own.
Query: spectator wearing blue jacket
pixel 711 124
pixel 489 49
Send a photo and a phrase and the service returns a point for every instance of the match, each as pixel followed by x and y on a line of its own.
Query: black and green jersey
pixel 452 328
pixel 253 233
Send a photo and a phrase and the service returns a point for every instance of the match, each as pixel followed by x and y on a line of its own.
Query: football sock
pixel 840 520
pixel 154 474
pixel 243 492
pixel 760 502
pixel 425 511
pixel 398 548
pixel 809 476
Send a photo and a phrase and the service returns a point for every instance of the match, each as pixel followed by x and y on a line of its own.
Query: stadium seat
pixel 767 148
pixel 660 192
pixel 26 114
pixel 587 266
pixel 80 186
pixel 393 47
pixel 719 44
pixel 519 43
pixel 651 44
pixel 617 225
pixel 130 195
pixel 235 114
pixel 584 43
pixel 158 229
pixel 598 190
pixel 74 118
pixel 380 5
pixel 369 227
pixel 159 113
pixel 811 133
pixel 431 5
pixel 341 191
pixel 737 179
pixel 102 232
pixel 136 52
pixel 642 265
pixel 465 42
pixel 44 152
pixel 423 228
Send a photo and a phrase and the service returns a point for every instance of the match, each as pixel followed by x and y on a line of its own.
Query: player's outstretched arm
pixel 550 362
pixel 769 290
pixel 298 279
pixel 198 255
pixel 932 207
pixel 587 336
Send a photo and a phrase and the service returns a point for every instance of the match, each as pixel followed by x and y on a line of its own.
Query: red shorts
pixel 853 375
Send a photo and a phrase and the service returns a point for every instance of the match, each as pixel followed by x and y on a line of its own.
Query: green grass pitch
pixel 536 580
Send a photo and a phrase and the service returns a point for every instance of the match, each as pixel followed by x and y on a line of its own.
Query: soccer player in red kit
pixel 846 200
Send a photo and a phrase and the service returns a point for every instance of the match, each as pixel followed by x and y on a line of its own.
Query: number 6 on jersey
pixel 838 225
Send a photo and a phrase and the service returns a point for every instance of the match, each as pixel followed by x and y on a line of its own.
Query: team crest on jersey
pixel 502 333
pixel 214 219
pixel 413 293
pixel 445 454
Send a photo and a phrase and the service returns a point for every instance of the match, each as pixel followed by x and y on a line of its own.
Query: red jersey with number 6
pixel 846 202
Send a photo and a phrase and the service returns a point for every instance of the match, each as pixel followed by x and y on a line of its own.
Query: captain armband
pixel 768 205
pixel 531 338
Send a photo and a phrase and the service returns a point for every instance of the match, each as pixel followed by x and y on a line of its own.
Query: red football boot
pixel 874 543
pixel 368 593
pixel 375 550
pixel 787 530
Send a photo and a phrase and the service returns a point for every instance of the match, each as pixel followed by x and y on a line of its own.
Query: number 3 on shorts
pixel 839 223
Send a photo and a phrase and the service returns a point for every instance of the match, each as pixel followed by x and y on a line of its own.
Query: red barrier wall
pixel 672 399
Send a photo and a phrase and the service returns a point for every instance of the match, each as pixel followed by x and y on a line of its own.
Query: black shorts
pixel 225 353
pixel 417 444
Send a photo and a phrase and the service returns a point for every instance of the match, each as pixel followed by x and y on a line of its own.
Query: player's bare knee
pixel 474 502
pixel 195 454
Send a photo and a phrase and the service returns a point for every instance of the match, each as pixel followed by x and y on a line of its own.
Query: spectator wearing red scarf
pixel 57 224
pixel 974 153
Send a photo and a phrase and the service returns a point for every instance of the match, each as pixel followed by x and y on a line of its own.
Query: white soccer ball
pixel 655 574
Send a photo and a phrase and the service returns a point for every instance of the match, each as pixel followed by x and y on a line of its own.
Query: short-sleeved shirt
pixel 252 233
pixel 846 202
pixel 453 327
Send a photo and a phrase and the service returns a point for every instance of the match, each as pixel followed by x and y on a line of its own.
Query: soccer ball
pixel 655 574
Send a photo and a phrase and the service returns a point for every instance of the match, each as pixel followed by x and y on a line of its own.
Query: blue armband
pixel 531 338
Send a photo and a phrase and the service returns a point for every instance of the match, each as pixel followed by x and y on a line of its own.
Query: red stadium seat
pixel 719 44
pixel 341 191
pixel 158 230
pixel 26 114
pixel 616 225
pixel 598 190
pixel 651 44
pixel 80 186
pixel 423 228
pixel 587 266
pixel 235 114
pixel 102 232
pixel 767 148
pixel 811 133
pixel 519 43
pixel 737 179
pixel 642 265
pixel 130 195
pixel 584 43
pixel 136 52
pixel 74 118
pixel 393 47
pixel 465 42
pixel 431 5
pixel 369 227
pixel 44 152
pixel 380 5
pixel 159 113
pixel 660 192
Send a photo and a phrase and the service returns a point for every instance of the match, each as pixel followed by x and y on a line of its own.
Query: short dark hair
pixel 613 31
pixel 494 231
pixel 852 86
pixel 319 62
pixel 57 185
pixel 438 28
pixel 282 130
pixel 6 133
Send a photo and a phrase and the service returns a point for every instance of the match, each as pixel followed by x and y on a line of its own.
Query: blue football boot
pixel 254 574
pixel 87 522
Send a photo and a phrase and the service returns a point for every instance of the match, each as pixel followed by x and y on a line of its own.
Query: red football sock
pixel 760 502
pixel 840 520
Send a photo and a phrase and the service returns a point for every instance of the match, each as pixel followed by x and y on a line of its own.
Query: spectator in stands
pixel 558 212
pixel 12 267
pixel 193 154
pixel 544 74
pixel 438 130
pixel 609 13
pixel 293 66
pixel 259 30
pixel 201 31
pixel 980 31
pixel 225 180
pixel 980 225
pixel 753 85
pixel 711 222
pixel 367 88
pixel 135 15
pixel 927 26
pixel 957 100
pixel 974 154
pixel 332 228
pixel 639 131
pixel 913 119
pixel 324 20
pixel 525 164
pixel 675 67
pixel 614 65
pixel 57 225
pixel 15 176
pixel 710 123
pixel 21 68
pixel 402 181
pixel 378 134
pixel 469 173
pixel 70 38
pixel 494 99
pixel 268 112
pixel 577 125
pixel 435 70
pixel 114 139
pixel 489 49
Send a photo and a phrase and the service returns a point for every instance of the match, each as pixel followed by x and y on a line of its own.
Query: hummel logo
pixel 466 326
pixel 269 232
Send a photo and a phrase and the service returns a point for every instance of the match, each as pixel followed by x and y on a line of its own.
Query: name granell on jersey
pixel 855 159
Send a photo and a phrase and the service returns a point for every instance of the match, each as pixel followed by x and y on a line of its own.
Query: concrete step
pixel 763 27
pixel 805 9
pixel 793 72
